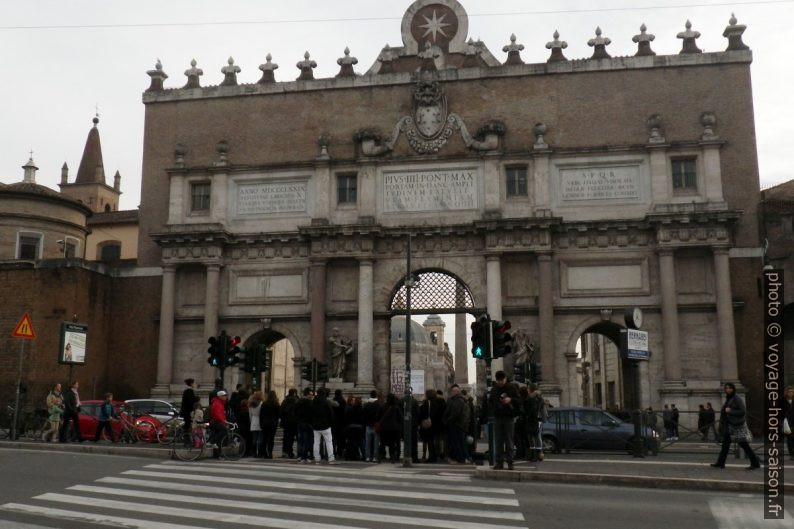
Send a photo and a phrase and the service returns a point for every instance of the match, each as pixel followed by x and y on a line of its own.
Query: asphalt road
pixel 55 489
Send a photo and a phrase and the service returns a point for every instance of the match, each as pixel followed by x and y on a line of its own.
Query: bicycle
pixel 190 445
pixel 33 425
pixel 169 429
pixel 6 419
pixel 133 429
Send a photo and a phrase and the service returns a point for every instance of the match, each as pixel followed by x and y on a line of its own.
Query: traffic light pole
pixel 407 422
pixel 488 385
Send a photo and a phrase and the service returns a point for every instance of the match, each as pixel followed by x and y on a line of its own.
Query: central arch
pixel 435 292
pixel 281 376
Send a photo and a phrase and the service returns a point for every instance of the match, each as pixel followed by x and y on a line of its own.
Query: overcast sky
pixel 54 76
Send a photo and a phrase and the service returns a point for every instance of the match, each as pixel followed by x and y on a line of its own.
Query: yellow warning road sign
pixel 24 329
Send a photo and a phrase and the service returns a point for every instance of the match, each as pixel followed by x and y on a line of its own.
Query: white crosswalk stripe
pixel 172 495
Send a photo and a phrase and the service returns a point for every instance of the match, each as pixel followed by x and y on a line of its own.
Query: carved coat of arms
pixel 430 109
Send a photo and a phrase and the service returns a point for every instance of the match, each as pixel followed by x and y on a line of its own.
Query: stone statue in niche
pixel 523 347
pixel 340 347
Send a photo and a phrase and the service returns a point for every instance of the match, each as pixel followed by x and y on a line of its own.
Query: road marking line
pixel 635 462
pixel 326 479
pixel 745 514
pixel 245 493
pixel 261 483
pixel 377 471
pixel 63 514
pixel 215 516
pixel 303 510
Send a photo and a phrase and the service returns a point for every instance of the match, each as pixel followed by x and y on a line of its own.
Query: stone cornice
pixel 493 72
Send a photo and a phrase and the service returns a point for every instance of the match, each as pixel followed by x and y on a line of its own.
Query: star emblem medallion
pixel 436 24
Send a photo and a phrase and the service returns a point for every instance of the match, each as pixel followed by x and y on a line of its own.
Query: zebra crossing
pixel 176 495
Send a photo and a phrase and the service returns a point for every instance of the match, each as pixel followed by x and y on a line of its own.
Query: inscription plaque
pixel 600 183
pixel 413 191
pixel 273 197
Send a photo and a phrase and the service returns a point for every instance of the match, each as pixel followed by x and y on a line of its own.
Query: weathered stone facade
pixel 546 189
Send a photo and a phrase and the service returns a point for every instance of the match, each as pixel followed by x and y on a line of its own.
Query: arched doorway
pixel 608 380
pixel 442 308
pixel 282 371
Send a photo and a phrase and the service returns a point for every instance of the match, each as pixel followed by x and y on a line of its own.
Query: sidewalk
pixel 668 471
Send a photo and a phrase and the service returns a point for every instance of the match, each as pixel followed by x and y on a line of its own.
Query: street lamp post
pixel 407 433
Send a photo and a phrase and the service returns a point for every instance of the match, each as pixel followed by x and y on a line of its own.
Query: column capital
pixel 664 252
pixel 493 256
pixel 572 357
pixel 216 267
pixel 169 268
pixel 366 261
pixel 720 250
pixel 318 261
pixel 544 256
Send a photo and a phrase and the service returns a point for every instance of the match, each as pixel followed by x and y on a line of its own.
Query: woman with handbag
pixel 733 425
pixel 788 418
pixel 426 428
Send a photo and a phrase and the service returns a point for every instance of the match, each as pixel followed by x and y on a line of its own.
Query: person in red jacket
pixel 218 429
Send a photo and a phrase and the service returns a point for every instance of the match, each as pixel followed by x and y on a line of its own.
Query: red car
pixel 144 426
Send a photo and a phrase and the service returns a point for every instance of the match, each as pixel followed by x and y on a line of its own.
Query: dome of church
pixel 419 334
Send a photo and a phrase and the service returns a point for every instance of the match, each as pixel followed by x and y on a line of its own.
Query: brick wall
pixel 122 340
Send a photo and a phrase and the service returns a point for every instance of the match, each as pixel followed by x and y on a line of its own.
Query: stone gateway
pixel 537 204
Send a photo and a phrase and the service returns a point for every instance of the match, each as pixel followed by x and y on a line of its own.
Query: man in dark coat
pixel 456 419
pixel 503 398
pixel 289 423
pixel 189 399
pixel 71 409
pixel 338 426
pixel 303 415
pixel 322 418
pixel 676 415
pixel 372 413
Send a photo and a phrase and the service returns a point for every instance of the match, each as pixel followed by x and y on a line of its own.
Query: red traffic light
pixel 235 341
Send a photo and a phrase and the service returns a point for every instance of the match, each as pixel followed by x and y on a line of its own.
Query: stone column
pixel 364 378
pixel 712 172
pixel 177 200
pixel 218 198
pixel 671 343
pixel 572 388
pixel 493 285
pixel 211 297
pixel 317 283
pixel 165 349
pixel 725 329
pixel 660 177
pixel 546 315
pixel 542 177
pixel 461 350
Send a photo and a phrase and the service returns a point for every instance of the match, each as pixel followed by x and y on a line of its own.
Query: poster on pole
pixel 74 337
pixel 398 381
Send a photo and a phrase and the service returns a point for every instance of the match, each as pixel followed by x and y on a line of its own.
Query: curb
pixel 83 448
pixel 625 480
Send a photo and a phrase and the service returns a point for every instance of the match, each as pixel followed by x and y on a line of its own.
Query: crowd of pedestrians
pixel 319 427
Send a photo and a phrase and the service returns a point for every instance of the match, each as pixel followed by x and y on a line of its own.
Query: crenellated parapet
pixel 434 34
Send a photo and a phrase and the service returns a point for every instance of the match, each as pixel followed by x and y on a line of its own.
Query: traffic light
pixel 213 350
pixel 502 341
pixel 535 372
pixel 479 338
pixel 306 371
pixel 233 351
pixel 322 372
pixel 265 358
pixel 520 372
pixel 249 360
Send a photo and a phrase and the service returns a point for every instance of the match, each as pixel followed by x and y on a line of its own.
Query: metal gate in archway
pixel 433 292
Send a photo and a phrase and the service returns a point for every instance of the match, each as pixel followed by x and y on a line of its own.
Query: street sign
pixel 24 329
pixel 635 344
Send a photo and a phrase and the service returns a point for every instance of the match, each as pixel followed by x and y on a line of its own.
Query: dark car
pixel 592 429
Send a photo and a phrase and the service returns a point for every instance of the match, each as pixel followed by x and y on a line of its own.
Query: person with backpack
pixel 503 399
pixel 106 414
pixel 536 415
pixel 303 415
pixel 371 414
pixel 55 412
pixel 322 419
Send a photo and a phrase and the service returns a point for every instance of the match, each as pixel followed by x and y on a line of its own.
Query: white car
pixel 159 409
